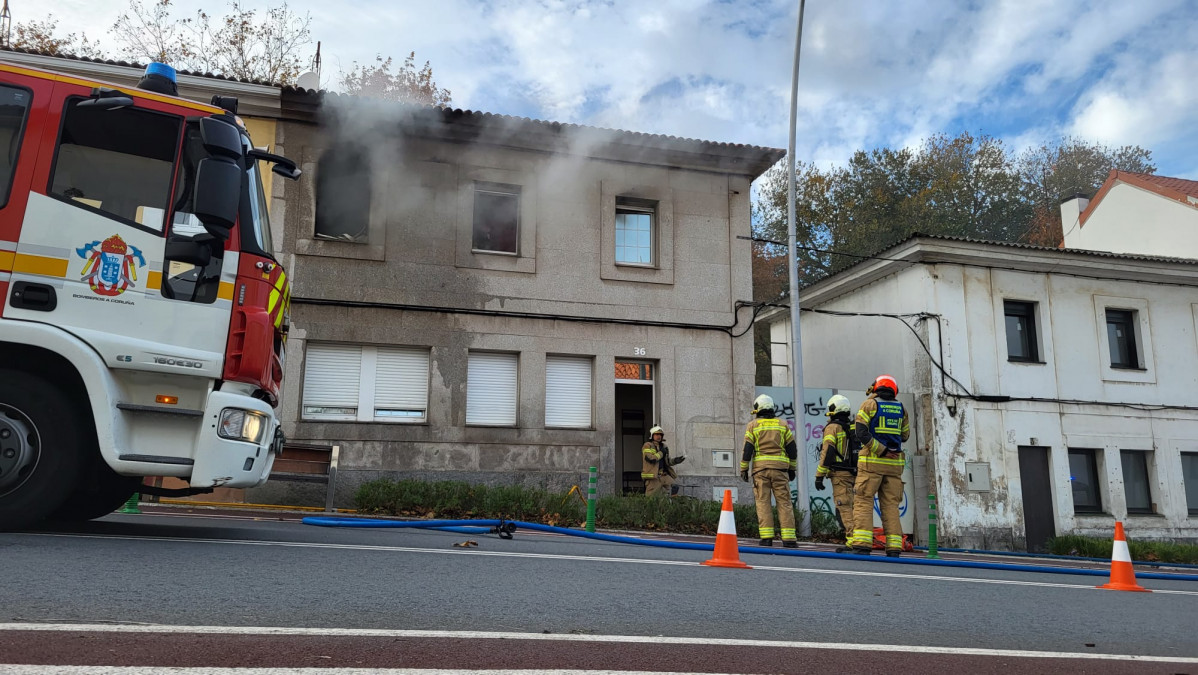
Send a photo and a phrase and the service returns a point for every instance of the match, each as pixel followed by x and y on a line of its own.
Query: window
pixel 491 389
pixel 1121 337
pixel 184 280
pixel 568 392
pixel 118 162
pixel 496 218
pixel 1083 473
pixel 1135 481
pixel 634 231
pixel 1189 473
pixel 1022 342
pixel 14 110
pixel 343 194
pixel 352 383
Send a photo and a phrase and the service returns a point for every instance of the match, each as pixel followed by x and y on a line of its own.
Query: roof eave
pixel 254 100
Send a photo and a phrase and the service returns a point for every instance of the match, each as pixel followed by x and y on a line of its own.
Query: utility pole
pixel 5 26
pixel 792 238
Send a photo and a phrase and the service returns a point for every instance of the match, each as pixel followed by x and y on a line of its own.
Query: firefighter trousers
pixel 889 490
pixel 842 493
pixel 659 486
pixel 767 482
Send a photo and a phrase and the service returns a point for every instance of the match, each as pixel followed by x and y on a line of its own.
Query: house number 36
pixel 638 351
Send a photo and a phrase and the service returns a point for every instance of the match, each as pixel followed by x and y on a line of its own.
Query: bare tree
pixel 151 33
pixel 406 84
pixel 241 44
pixel 42 36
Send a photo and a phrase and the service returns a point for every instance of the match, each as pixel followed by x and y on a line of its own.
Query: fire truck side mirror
pixel 220 138
pixel 217 195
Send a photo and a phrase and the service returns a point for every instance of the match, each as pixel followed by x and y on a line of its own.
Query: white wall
pixel 1133 220
pixel 1074 365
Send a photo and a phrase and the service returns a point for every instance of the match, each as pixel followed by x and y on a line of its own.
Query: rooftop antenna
pixel 5 26
pixel 311 78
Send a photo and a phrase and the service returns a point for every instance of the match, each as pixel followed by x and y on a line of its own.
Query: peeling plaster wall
pixel 419 223
pixel 1075 365
pixel 841 352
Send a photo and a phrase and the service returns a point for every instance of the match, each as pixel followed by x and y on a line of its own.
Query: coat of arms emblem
pixel 111 265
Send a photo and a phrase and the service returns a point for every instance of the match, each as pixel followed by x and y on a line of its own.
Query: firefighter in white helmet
pixel 770 447
pixel 838 460
pixel 657 467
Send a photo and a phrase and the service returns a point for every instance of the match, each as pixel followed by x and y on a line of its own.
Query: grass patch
pixel 1146 551
pixel 458 500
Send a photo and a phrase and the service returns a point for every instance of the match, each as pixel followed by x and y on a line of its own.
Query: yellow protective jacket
pixel 879 418
pixel 834 451
pixel 652 465
pixel 769 444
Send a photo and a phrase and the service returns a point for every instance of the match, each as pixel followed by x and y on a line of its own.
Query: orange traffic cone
pixel 726 552
pixel 1123 577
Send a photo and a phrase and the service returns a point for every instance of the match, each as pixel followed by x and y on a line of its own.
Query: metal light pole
pixel 796 351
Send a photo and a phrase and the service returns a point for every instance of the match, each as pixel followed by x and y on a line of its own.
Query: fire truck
pixel 144 315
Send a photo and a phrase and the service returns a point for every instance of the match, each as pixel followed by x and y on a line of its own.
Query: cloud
pixel 873 73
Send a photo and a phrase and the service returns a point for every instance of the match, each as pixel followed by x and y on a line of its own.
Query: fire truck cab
pixel 144 316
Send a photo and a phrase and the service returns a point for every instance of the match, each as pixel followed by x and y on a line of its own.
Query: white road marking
pixel 581 558
pixel 551 637
pixel 159 670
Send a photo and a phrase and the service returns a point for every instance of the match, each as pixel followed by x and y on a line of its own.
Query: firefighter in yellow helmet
pixel 838 460
pixel 770 446
pixel 657 467
pixel 881 427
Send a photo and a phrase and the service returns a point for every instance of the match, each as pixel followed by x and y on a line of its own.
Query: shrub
pixel 1141 550
pixel 458 500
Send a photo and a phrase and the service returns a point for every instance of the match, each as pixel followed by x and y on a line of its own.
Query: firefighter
pixel 881 427
pixel 838 461
pixel 657 467
pixel 770 445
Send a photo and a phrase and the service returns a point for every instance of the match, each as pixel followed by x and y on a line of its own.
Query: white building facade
pixel 1055 390
pixel 1136 213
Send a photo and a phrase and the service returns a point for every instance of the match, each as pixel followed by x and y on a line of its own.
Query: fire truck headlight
pixel 241 425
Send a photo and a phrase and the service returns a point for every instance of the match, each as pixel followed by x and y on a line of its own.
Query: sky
pixel 873 72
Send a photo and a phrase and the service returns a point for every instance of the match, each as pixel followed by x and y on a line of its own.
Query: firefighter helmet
pixel 886 381
pixel 763 403
pixel 657 430
pixel 838 404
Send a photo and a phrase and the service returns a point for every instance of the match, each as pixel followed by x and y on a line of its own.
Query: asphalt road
pixel 569 593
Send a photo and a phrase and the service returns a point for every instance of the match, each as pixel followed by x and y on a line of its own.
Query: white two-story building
pixel 1056 390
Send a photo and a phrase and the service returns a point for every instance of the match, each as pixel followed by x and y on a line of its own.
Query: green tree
pixel 1070 165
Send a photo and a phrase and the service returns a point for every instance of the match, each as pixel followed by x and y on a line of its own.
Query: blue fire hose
pixel 505 529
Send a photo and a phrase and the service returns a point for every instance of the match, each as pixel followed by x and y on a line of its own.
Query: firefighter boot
pixel 789 543
pixel 766 542
pixel 892 553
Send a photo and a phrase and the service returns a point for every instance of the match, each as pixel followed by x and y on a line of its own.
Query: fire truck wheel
pixel 41 448
pixel 100 492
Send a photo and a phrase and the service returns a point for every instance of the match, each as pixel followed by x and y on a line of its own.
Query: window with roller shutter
pixel 352 383
pixel 491 389
pixel 568 392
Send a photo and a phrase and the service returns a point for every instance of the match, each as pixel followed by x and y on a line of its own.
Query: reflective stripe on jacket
pixel 769 437
pixel 651 464
pixel 834 451
pixel 886 427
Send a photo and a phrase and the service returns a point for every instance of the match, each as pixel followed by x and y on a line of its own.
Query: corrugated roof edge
pixel 773 153
pixel 1005 244
pixel 130 64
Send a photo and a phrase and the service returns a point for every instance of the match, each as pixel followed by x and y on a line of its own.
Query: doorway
pixel 634 417
pixel 1035 482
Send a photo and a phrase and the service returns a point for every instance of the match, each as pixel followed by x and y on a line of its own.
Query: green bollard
pixel 932 527
pixel 131 505
pixel 591 497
